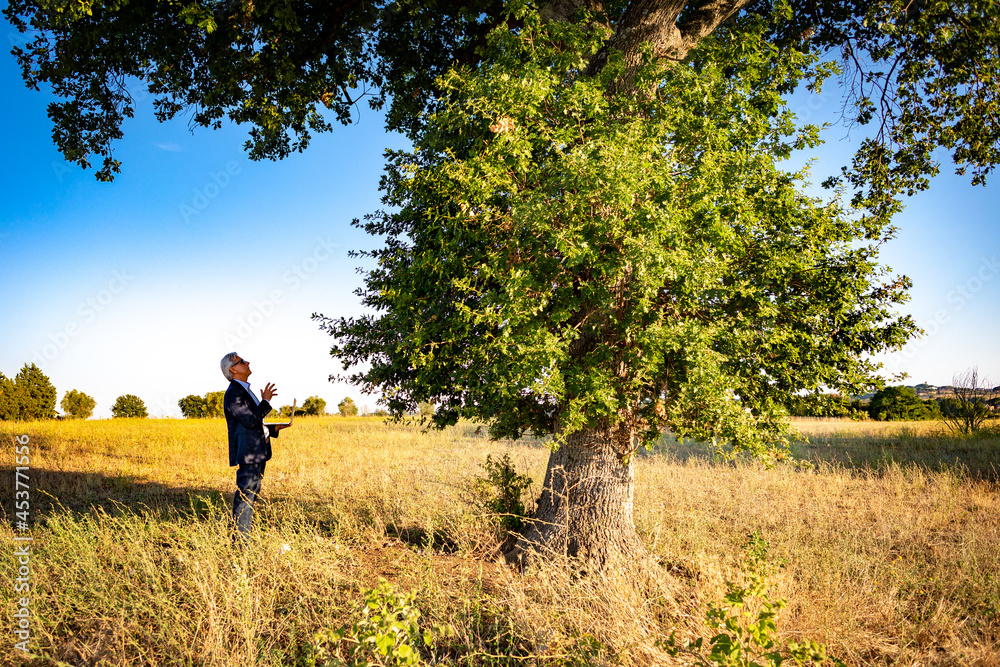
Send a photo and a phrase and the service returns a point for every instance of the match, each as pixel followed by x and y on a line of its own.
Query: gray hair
pixel 227 364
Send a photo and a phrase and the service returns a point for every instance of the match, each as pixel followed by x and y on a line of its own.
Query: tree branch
pixel 655 22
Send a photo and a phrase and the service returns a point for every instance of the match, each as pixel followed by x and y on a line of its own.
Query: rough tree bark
pixel 585 508
pixel 655 22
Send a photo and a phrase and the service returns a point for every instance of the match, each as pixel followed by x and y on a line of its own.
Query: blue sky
pixel 140 286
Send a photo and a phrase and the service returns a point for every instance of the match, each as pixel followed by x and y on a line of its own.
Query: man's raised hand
pixel 268 392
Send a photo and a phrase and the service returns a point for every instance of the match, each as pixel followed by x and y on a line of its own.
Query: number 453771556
pixel 21 488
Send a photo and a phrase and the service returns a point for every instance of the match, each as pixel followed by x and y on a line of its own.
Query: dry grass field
pixel 887 549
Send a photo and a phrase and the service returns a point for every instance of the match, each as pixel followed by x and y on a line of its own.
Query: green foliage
pixel 746 625
pixel 30 395
pixel 193 407
pixel 901 404
pixel 922 73
pixel 558 258
pixel 314 405
pixel 347 408
pixel 197 407
pixel 215 404
pixel 10 399
pixel 129 406
pixel 388 633
pixel 425 409
pixel 286 411
pixel 77 404
pixel 39 394
pixel 234 63
pixel 500 493
pixel 821 405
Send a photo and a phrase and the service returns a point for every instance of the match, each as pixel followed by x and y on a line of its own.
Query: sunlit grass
pixel 889 552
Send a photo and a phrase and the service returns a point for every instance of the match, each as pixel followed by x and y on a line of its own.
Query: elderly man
pixel 249 437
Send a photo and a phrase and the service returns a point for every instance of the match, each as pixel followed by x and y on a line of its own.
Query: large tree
pixel 193 407
pixel 129 406
pixel 30 395
pixel 593 237
pixel 78 405
pixel 601 267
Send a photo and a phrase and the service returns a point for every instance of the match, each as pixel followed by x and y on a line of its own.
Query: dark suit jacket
pixel 245 422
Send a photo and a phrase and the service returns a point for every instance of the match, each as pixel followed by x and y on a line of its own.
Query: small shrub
pixel 388 633
pixel 745 640
pixel 500 491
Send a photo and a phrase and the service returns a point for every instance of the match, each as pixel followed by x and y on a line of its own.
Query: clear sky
pixel 140 286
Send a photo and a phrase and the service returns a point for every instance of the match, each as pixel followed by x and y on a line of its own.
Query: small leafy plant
pixel 500 492
pixel 745 639
pixel 387 634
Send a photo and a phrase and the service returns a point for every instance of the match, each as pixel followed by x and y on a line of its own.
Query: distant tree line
pixel 314 406
pixel 198 407
pixel 30 395
pixel 965 409
pixel 211 405
pixel 902 404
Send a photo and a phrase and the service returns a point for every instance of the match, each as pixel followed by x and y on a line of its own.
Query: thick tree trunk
pixel 656 22
pixel 585 509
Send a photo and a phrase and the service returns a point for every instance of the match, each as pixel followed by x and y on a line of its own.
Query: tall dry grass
pixel 889 559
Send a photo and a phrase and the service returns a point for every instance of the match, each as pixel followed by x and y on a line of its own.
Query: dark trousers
pixel 248 478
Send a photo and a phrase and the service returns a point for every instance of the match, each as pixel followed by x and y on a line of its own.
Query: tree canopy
pixel 77 404
pixel 923 74
pixel 559 258
pixel 129 406
pixel 314 405
pixel 192 407
pixel 30 395
pixel 210 405
pixel 901 404
pixel 347 408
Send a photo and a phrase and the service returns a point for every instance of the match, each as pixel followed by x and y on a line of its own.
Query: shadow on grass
pixel 971 457
pixel 421 538
pixel 83 492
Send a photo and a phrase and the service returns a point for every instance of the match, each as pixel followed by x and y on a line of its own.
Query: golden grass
pixel 888 554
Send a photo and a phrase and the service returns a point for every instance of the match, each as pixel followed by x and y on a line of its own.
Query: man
pixel 249 438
